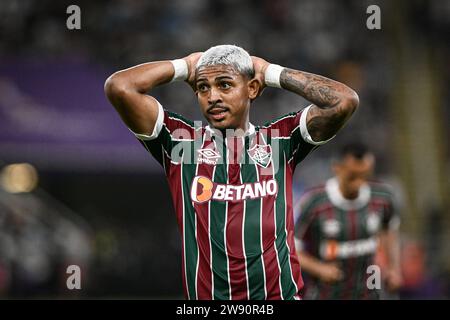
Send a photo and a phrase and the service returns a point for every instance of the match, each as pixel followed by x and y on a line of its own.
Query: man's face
pixel 353 172
pixel 224 96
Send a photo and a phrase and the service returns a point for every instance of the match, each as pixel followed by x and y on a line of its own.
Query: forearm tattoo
pixel 321 91
pixel 334 101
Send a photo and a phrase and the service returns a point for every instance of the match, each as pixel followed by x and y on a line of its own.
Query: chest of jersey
pixel 345 234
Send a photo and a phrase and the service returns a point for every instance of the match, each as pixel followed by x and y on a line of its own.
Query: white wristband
pixel 181 70
pixel 272 75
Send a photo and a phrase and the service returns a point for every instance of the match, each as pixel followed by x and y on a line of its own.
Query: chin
pixel 221 125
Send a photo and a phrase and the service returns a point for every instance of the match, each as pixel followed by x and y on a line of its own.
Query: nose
pixel 214 96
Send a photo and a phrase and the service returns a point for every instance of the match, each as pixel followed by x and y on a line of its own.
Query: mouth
pixel 218 113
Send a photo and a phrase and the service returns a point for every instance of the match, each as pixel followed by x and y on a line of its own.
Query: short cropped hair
pixel 229 55
pixel 357 150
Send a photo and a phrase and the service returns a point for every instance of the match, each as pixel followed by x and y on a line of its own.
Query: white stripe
pixel 304 129
pixel 243 227
pixel 225 226
pixel 157 127
pixel 287 138
pixel 261 230
pixel 285 224
pixel 173 118
pixel 196 232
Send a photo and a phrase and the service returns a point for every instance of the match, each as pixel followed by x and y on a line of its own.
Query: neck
pixel 346 193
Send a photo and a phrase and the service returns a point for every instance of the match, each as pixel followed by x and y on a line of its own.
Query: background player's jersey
pixel 233 201
pixel 334 229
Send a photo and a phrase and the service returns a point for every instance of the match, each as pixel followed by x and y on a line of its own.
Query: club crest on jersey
pixel 203 189
pixel 261 154
pixel 331 227
pixel 208 156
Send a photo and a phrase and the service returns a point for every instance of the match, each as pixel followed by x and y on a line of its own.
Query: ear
pixel 255 88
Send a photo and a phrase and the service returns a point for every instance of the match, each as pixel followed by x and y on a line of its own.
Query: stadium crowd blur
pixel 54 116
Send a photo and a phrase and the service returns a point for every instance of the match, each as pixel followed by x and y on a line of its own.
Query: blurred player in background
pixel 231 182
pixel 339 227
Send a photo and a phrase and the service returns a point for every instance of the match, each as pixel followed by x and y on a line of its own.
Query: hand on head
pixel 260 65
pixel 191 61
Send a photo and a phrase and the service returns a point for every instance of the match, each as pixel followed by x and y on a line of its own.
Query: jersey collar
pixel 337 199
pixel 250 131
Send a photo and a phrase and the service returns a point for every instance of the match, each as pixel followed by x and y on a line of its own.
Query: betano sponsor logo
pixel 203 189
pixel 332 249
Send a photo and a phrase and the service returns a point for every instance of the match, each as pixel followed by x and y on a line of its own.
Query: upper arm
pixel 138 110
pixel 324 123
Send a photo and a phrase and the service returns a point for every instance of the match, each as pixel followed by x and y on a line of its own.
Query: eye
pixel 225 85
pixel 202 87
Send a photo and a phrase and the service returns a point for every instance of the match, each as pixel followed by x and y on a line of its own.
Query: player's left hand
pixel 260 65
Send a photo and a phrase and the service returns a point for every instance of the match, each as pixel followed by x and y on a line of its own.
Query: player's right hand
pixel 260 65
pixel 191 61
pixel 330 272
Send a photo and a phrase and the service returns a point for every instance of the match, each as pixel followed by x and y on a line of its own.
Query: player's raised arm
pixel 127 89
pixel 333 101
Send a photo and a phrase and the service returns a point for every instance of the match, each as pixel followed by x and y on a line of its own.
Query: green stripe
pixel 341 216
pixel 287 286
pixel 218 216
pixel 252 233
pixel 191 250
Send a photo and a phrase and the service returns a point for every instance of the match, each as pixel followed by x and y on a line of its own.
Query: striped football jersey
pixel 334 229
pixel 233 201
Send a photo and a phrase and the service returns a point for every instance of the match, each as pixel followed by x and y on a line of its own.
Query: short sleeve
pixel 305 217
pixel 391 216
pixel 292 127
pixel 170 130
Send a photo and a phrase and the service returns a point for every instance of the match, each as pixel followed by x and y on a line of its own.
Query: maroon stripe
pixel 295 264
pixel 351 262
pixel 204 276
pixel 379 202
pixel 272 272
pixel 235 250
pixel 286 125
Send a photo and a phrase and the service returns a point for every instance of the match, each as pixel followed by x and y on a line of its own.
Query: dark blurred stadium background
pixel 77 188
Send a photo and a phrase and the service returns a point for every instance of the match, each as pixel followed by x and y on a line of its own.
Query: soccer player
pixel 339 227
pixel 231 181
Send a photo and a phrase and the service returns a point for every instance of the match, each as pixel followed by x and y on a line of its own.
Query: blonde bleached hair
pixel 229 55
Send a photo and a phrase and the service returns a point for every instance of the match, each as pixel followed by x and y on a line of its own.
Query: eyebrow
pixel 216 79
